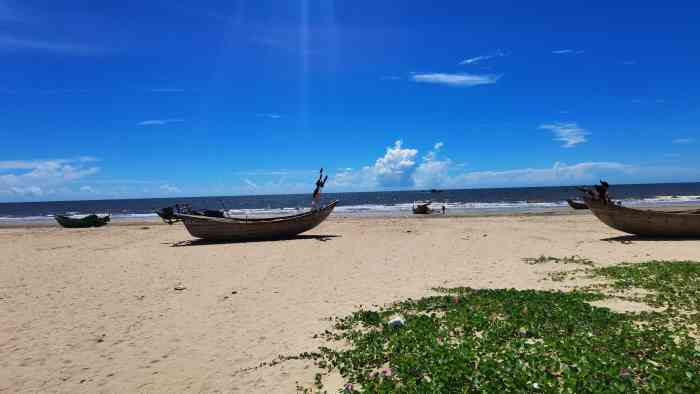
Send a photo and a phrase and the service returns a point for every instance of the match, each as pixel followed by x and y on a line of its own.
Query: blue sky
pixel 116 99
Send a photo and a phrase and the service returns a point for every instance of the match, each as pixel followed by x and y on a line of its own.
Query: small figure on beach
pixel 443 209
pixel 316 199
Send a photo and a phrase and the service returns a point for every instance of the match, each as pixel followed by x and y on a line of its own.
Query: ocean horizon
pixel 505 199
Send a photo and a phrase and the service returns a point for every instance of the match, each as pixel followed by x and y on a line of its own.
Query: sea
pixel 385 203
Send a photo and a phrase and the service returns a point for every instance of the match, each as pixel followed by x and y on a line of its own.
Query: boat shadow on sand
pixel 200 242
pixel 625 239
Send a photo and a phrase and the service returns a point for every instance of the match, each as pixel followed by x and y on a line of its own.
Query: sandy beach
pixel 139 308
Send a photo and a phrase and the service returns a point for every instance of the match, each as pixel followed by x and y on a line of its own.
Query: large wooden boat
pixel 242 229
pixel 577 205
pixel 83 222
pixel 646 222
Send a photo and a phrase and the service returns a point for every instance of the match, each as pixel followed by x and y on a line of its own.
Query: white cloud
pixel 393 169
pixel 169 188
pixel 87 189
pixel 269 116
pixel 278 186
pixel 477 59
pixel 29 44
pixel 568 52
pixel 33 177
pixel 159 122
pixel 432 172
pixel 456 79
pixel 558 174
pixel 683 141
pixel 569 133
pixel 29 191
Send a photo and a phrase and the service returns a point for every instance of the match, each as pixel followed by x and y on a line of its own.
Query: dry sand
pixel 96 310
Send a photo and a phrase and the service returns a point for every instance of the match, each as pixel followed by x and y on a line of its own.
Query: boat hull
pixel 421 210
pixel 86 222
pixel 644 222
pixel 576 205
pixel 241 229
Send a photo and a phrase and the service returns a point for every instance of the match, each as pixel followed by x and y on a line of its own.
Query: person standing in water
pixel 443 209
pixel 316 199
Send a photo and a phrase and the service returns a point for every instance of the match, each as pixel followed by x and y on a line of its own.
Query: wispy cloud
pixel 477 59
pixel 29 44
pixel 558 174
pixel 568 52
pixel 464 80
pixel 159 122
pixel 167 90
pixel 169 188
pixel 683 141
pixel 34 178
pixel 269 116
pixel 569 133
pixel 88 189
pixel 648 101
pixel 629 62
pixel 390 78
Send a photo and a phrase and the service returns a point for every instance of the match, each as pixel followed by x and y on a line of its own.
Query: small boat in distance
pixel 421 208
pixel 648 223
pixel 82 222
pixel 246 229
pixel 576 205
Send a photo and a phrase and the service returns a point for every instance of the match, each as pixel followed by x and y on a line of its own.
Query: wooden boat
pixel 421 208
pixel 84 222
pixel 170 214
pixel 242 229
pixel 646 222
pixel 167 214
pixel 577 205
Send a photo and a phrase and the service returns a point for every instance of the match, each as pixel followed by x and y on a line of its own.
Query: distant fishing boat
pixel 421 208
pixel 535 201
pixel 83 222
pixel 576 205
pixel 235 229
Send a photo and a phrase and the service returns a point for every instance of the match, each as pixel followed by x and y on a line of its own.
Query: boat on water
pixel 576 205
pixel 244 229
pixel 421 208
pixel 650 223
pixel 82 222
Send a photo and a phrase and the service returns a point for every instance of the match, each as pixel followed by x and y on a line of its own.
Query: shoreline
pixel 125 221
pixel 476 213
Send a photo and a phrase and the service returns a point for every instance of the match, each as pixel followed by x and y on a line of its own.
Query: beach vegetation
pixel 488 340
